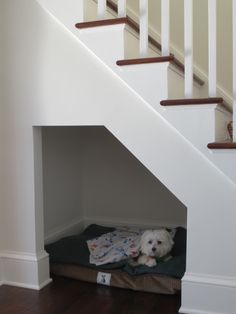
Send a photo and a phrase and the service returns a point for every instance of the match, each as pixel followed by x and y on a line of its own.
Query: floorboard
pixel 67 296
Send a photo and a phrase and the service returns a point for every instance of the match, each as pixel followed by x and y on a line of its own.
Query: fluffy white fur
pixel 154 244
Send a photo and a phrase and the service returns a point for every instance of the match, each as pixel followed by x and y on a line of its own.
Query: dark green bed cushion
pixel 74 250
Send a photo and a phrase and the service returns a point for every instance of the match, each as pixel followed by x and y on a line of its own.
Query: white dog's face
pixel 156 243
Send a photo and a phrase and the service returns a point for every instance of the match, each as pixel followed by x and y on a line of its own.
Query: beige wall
pixel 87 170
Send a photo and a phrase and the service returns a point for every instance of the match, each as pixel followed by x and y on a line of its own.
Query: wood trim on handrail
pixel 144 60
pixel 98 23
pixel 222 145
pixel 152 41
pixel 192 101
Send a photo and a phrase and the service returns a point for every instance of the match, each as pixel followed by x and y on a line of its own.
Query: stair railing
pixel 143 28
pixel 165 27
pixel 212 49
pixel 188 41
pixel 188 48
pixel 121 8
pixel 101 11
pixel 102 7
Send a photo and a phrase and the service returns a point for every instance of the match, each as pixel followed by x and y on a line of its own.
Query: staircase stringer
pixel 61 95
pixel 145 81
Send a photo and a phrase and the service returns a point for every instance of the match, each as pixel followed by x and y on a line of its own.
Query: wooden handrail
pixel 192 101
pixel 222 145
pixel 196 101
pixel 144 60
pixel 152 41
pixel 98 23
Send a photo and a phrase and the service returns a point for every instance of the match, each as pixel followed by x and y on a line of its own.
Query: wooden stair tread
pixel 98 23
pixel 222 145
pixel 192 101
pixel 144 60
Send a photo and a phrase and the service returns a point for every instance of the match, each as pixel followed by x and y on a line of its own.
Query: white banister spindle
pixel 143 37
pixel 188 47
pixel 102 5
pixel 212 47
pixel 234 70
pixel 121 8
pixel 165 27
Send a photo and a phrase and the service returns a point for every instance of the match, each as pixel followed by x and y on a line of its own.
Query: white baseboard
pixel 64 230
pixel 26 286
pixel 78 226
pixel 26 270
pixel 191 311
pixel 204 294
pixel 117 222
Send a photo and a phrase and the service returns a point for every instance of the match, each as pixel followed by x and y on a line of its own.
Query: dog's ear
pixel 170 238
pixel 172 232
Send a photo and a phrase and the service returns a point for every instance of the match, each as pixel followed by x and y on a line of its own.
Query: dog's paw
pixel 151 262
pixel 147 260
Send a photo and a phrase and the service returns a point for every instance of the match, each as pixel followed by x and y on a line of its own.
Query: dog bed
pixel 69 257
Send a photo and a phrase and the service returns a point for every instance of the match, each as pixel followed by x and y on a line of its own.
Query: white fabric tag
pixel 104 278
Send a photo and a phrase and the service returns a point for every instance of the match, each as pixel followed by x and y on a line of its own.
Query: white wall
pixel 20 86
pixel 22 51
pixel 63 180
pixel 119 189
pixel 88 174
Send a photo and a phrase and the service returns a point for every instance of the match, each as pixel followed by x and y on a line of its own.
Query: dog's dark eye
pixel 150 242
pixel 159 242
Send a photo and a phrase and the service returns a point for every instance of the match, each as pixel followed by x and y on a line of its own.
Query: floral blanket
pixel 114 246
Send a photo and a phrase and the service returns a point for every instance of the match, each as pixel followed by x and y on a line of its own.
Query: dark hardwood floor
pixel 76 297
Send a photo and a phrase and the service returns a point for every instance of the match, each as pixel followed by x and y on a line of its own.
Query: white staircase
pixel 172 143
pixel 154 82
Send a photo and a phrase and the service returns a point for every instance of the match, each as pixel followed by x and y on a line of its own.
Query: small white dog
pixel 155 244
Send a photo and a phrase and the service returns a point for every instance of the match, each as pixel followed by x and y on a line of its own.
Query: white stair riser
pixel 175 76
pixel 107 42
pixel 224 159
pixel 200 124
pixel 187 120
pixel 150 81
pixel 222 119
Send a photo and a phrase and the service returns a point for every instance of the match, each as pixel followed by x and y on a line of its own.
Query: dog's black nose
pixel 154 249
